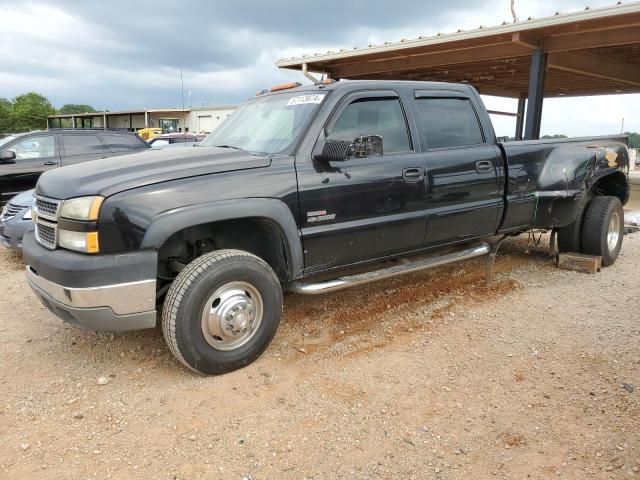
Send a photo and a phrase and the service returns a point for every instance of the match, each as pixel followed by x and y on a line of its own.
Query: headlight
pixel 27 216
pixel 86 242
pixel 82 208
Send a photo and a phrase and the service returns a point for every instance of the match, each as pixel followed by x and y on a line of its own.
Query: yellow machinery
pixel 148 133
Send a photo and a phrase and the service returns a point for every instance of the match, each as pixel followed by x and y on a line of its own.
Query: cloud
pixel 122 54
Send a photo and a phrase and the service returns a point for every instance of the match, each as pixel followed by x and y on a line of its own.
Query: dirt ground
pixel 431 376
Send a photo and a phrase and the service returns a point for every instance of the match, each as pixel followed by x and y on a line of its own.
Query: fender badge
pixel 319 216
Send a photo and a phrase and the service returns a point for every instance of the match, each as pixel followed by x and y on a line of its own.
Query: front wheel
pixel 222 311
pixel 603 229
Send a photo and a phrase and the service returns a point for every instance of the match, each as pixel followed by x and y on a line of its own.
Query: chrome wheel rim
pixel 613 232
pixel 232 315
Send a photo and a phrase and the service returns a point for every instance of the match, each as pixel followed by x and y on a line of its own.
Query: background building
pixel 194 119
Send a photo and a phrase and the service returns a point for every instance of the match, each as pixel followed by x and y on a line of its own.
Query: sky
pixel 118 55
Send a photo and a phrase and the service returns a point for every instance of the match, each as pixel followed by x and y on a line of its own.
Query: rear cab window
pixel 447 122
pixel 123 143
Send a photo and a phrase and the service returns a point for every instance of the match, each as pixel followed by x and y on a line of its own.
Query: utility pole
pixel 513 11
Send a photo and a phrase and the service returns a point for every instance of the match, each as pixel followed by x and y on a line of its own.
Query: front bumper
pixel 114 292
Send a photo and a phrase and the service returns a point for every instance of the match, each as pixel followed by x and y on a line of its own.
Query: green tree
pixel 73 108
pixel 634 139
pixel 5 115
pixel 30 112
pixel 551 137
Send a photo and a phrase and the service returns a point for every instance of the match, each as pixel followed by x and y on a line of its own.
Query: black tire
pixel 183 316
pixel 601 233
pixel 569 238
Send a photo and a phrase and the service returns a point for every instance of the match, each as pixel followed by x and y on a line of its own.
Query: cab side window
pixel 448 122
pixel 374 116
pixel 34 147
pixel 81 145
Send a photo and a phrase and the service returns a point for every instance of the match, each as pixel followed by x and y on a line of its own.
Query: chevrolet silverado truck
pixel 308 189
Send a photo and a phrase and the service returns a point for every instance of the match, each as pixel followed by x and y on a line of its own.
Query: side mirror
pixel 341 150
pixel 7 156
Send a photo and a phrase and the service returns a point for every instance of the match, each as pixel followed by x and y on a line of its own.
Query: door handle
pixel 484 166
pixel 50 163
pixel 413 174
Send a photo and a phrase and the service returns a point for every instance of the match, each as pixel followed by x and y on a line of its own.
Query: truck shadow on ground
pixel 345 323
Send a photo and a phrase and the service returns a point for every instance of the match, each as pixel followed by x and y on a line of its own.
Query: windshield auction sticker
pixel 305 99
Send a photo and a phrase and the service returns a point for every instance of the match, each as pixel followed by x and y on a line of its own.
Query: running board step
pixel 409 267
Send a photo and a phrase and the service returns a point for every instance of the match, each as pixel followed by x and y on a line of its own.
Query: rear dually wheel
pixel 603 228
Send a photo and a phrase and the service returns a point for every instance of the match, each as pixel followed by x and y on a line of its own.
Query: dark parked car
pixel 293 191
pixel 176 139
pixel 25 156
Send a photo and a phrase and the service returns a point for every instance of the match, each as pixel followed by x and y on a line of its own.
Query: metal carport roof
pixel 591 52
pixel 594 51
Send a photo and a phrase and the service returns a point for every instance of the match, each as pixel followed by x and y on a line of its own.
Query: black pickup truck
pixel 308 189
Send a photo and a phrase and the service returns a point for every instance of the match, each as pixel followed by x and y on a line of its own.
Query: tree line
pixel 29 112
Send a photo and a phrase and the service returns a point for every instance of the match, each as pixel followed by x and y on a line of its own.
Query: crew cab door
pixel 35 154
pixel 464 166
pixel 362 208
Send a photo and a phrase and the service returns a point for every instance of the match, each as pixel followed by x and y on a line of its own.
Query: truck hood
pixel 116 174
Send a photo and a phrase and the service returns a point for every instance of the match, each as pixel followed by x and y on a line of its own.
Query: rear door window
pixel 448 123
pixel 75 145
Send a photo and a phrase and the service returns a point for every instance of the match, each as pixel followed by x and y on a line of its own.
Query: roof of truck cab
pixel 373 85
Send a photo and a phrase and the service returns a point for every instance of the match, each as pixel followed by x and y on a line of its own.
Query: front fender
pixel 165 224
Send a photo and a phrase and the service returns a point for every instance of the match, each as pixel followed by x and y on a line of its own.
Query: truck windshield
pixel 267 124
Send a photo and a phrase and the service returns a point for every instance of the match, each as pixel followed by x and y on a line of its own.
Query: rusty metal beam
pixel 586 40
pixel 520 120
pixel 415 62
pixel 500 112
pixel 595 66
pixel 525 40
pixel 537 76
pixel 496 91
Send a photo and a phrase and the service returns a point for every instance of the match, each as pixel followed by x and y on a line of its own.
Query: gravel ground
pixel 433 375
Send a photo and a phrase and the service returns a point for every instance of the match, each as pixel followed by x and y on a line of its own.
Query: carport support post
pixel 73 122
pixel 104 120
pixel 536 95
pixel 520 118
pixel 146 119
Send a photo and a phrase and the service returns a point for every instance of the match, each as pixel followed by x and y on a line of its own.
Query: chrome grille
pixel 46 214
pixel 10 211
pixel 46 234
pixel 47 207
